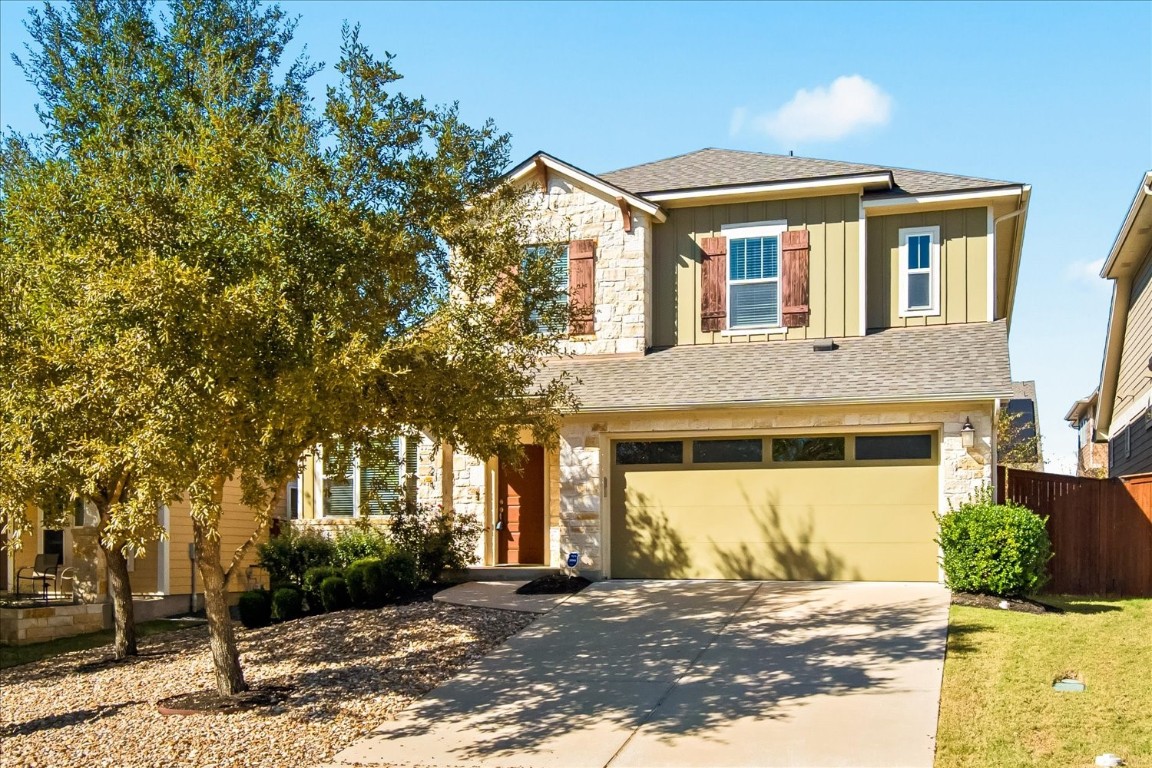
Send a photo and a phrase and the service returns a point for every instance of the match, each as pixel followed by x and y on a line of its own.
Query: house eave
pixel 610 191
pixel 732 192
pixel 949 397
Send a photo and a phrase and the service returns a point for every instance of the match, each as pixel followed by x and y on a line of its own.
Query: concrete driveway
pixel 659 673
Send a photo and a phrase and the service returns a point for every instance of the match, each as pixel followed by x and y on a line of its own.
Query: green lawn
pixel 998 707
pixel 13 655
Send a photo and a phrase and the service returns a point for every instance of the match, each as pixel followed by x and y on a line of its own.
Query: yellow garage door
pixel 837 508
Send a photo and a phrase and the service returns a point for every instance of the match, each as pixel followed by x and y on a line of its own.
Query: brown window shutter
pixel 582 287
pixel 794 278
pixel 713 284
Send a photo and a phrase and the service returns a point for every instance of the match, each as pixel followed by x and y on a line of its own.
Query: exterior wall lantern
pixel 968 433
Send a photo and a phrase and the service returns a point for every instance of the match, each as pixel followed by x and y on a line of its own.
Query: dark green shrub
pixel 400 575
pixel 311 584
pixel 359 543
pixel 334 594
pixel 994 549
pixel 435 538
pixel 255 608
pixel 366 583
pixel 288 556
pixel 287 604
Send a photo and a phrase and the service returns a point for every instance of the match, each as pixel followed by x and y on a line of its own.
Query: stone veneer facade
pixel 623 264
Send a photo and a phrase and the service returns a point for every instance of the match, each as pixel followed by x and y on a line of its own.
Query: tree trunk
pixel 221 637
pixel 120 589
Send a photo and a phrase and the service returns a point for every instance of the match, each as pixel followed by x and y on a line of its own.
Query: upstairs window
pixel 754 276
pixel 556 257
pixel 919 271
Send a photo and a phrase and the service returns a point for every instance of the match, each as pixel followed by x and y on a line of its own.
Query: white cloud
pixel 825 113
pixel 1087 273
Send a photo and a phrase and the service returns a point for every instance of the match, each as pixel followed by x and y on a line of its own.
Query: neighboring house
pixel 789 367
pixel 1025 447
pixel 161 576
pixel 1091 456
pixel 1124 411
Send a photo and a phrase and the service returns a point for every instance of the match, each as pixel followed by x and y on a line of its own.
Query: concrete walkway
pixel 631 674
pixel 498 594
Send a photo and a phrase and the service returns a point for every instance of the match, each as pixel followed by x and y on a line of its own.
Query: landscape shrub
pixel 313 577
pixel 435 538
pixel 288 557
pixel 366 582
pixel 360 542
pixel 994 549
pixel 400 576
pixel 334 594
pixel 255 608
pixel 287 604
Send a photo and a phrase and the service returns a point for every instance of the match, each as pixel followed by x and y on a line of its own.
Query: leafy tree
pixel 1017 441
pixel 292 277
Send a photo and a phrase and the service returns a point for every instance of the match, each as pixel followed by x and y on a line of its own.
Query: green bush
pixel 334 594
pixel 994 549
pixel 366 582
pixel 287 604
pixel 435 538
pixel 400 576
pixel 360 542
pixel 288 557
pixel 313 577
pixel 255 608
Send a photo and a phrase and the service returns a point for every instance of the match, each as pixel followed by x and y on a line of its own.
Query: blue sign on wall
pixel 573 559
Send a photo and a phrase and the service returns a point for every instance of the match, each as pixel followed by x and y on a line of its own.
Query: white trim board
pixel 709 193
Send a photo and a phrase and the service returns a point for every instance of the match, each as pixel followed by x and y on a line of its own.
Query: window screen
pixel 879 447
pixel 808 449
pixel 753 281
pixel 727 451
pixel 650 452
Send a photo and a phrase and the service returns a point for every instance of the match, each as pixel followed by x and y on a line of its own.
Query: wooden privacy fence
pixel 1101 530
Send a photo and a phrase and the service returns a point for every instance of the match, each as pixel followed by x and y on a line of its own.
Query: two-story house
pixel 1091 456
pixel 1124 408
pixel 786 368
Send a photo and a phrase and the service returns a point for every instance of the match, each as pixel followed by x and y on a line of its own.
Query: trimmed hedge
pixel 994 549
pixel 334 594
pixel 313 577
pixel 255 608
pixel 401 575
pixel 366 582
pixel 287 604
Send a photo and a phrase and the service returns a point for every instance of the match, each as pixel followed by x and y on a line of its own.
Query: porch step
pixel 504 572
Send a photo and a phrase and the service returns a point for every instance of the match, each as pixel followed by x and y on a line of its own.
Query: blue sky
pixel 1055 95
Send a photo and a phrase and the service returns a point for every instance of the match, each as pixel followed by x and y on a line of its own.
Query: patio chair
pixel 45 570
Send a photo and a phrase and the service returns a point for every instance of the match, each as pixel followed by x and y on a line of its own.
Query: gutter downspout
pixel 995 452
pixel 1015 270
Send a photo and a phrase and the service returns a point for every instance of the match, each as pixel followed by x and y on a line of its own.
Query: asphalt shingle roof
pixel 724 167
pixel 895 365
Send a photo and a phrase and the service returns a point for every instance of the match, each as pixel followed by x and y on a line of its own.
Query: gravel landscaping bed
pixel 344 672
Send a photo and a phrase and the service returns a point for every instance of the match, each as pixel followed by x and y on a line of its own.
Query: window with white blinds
pixel 754 275
pixel 558 256
pixel 372 489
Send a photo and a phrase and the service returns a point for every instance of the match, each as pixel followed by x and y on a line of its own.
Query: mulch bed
pixel 554 584
pixel 210 702
pixel 1019 604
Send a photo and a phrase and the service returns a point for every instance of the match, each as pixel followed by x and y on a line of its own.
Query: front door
pixel 520 516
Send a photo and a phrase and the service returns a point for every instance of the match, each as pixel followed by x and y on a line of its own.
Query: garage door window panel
pixel 894 447
pixel 743 451
pixel 798 449
pixel 633 452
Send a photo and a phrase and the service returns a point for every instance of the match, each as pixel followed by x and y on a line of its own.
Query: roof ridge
pixel 654 162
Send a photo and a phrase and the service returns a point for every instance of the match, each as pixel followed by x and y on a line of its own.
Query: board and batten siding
pixel 834 267
pixel 963 267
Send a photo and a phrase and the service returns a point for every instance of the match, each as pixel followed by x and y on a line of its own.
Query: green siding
pixel 834 266
pixel 963 274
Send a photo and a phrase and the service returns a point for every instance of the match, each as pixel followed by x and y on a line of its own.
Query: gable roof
pixel 596 183
pixel 728 167
pixel 928 363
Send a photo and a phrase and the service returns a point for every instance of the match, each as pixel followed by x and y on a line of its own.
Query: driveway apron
pixel 637 674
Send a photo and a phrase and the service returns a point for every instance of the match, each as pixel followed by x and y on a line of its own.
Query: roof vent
pixel 826 345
